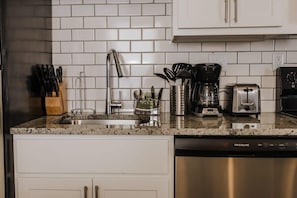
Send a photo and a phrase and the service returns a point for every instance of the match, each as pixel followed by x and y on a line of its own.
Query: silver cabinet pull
pixel 226 10
pixel 235 11
pixel 96 191
pixel 85 192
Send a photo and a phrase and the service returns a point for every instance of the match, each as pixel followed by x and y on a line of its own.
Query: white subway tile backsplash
pixel 62 59
pixel 95 46
pixel 163 21
pixel 56 47
pixel 130 34
pixel 213 47
pixel 267 94
pixel 172 58
pixel 56 24
pixel 130 10
pixel 153 58
pixel 268 82
pixel 72 23
pixel 268 106
pixel 83 34
pixel 249 80
pixel 83 59
pixel 237 70
pixel 131 58
pixel 69 47
pixel 94 1
pixel 95 22
pixel 165 46
pixel 286 45
pixel 238 46
pixel 106 10
pixel 61 11
pixel 120 46
pixel 292 57
pixel 261 70
pixel 70 2
pixel 249 57
pixel 142 46
pixel 83 10
pixel 118 22
pixel 140 30
pixel 106 34
pixel 153 34
pixel 61 35
pixel 148 82
pixel 267 45
pixel 196 58
pixel 72 71
pixel 153 9
pixel 142 70
pixel 142 21
pixel 130 82
pixel 189 47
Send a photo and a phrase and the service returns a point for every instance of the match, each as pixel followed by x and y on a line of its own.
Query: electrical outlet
pixel 278 60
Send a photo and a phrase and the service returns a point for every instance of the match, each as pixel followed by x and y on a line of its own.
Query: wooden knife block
pixel 57 105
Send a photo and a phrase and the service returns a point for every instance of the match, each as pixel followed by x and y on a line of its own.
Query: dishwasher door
pixel 235 177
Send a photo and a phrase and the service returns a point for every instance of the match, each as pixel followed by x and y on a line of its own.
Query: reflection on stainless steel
pixel 235 177
pixel 105 122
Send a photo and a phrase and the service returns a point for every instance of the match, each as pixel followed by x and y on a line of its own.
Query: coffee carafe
pixel 205 90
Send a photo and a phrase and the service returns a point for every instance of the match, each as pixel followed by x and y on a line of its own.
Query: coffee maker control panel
pixel 292 79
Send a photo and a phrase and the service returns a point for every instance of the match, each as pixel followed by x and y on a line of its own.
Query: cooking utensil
pixel 59 74
pixel 177 67
pixel 169 74
pixel 153 92
pixel 161 76
pixel 159 96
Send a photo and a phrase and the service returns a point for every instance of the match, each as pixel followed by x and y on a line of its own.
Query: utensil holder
pixel 57 105
pixel 179 100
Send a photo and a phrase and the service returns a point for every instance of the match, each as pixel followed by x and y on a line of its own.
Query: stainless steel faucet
pixel 109 103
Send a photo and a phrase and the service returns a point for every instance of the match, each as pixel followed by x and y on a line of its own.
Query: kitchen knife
pixel 59 74
pixel 159 96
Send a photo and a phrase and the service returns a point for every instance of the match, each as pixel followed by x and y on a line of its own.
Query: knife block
pixel 57 105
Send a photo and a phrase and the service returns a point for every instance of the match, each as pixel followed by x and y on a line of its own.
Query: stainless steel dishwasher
pixel 235 167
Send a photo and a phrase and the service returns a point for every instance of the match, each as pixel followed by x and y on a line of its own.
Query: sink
pixel 100 119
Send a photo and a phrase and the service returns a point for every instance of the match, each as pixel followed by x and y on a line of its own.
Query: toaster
pixel 244 99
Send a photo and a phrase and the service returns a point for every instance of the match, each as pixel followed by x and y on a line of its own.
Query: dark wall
pixel 26 41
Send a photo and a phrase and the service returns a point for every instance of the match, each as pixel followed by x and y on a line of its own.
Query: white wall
pixel 84 30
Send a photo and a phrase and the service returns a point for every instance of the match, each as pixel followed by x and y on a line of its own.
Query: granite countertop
pixel 268 124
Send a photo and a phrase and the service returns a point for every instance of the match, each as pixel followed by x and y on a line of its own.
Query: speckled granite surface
pixel 267 124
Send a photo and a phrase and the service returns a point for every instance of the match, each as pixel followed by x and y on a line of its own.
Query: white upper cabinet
pixel 255 13
pixel 241 18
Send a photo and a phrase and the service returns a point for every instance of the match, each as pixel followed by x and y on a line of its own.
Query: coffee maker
pixel 286 90
pixel 205 90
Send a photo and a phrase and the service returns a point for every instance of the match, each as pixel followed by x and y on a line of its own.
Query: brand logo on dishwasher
pixel 241 145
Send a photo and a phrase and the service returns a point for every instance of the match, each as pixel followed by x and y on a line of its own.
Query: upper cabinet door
pixel 228 13
pixel 201 13
pixel 256 13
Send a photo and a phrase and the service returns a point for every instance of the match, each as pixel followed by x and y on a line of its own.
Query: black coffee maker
pixel 286 90
pixel 205 90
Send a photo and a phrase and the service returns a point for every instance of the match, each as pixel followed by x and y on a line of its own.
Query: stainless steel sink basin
pixel 100 119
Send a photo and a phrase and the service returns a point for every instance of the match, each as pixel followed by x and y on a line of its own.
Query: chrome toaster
pixel 244 99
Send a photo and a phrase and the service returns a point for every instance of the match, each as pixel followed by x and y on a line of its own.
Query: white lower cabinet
pixel 52 166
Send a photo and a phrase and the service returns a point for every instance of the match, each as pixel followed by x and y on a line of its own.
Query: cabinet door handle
pixel 85 192
pixel 96 191
pixel 226 10
pixel 235 11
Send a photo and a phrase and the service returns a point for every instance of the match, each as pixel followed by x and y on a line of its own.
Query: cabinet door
pixel 201 13
pixel 131 187
pixel 53 188
pixel 253 13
